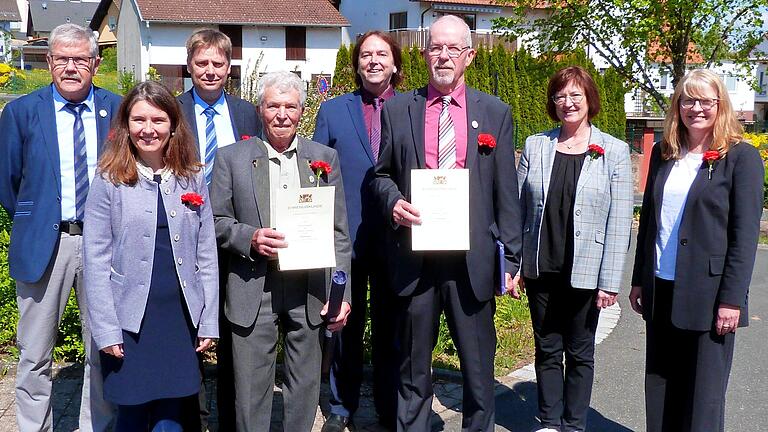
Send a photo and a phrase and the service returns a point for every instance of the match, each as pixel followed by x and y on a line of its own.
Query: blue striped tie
pixel 210 142
pixel 81 159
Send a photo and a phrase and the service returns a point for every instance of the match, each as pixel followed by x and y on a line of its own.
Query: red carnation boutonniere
pixel 486 142
pixel 595 151
pixel 245 137
pixel 320 168
pixel 192 199
pixel 710 156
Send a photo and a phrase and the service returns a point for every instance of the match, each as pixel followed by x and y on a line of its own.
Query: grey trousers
pixel 41 306
pixel 254 350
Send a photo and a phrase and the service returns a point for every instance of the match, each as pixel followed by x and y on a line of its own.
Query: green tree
pixel 108 60
pixel 343 75
pixel 632 35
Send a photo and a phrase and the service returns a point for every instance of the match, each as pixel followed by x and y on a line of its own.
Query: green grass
pixel 37 78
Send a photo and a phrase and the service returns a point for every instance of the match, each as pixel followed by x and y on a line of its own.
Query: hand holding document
pixel 442 198
pixel 305 217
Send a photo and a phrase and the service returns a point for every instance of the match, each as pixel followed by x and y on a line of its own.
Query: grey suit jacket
pixel 118 248
pixel 240 191
pixel 602 215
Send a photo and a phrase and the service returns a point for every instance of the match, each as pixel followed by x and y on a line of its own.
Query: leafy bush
pixel 760 141
pixel 126 80
pixel 108 60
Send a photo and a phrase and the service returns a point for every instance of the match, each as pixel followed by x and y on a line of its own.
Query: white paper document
pixel 305 216
pixel 442 198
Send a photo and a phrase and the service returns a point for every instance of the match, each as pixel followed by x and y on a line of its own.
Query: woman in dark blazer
pixel 150 264
pixel 576 195
pixel 696 246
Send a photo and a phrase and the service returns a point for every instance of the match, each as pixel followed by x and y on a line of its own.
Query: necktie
pixel 210 142
pixel 446 140
pixel 376 129
pixel 81 159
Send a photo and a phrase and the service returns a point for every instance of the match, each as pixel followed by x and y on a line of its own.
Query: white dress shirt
pixel 672 205
pixel 65 123
pixel 283 173
pixel 225 133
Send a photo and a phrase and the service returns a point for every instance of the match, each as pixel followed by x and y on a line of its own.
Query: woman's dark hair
pixel 576 75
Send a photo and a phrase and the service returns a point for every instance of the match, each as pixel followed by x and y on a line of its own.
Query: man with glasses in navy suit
pixel 50 140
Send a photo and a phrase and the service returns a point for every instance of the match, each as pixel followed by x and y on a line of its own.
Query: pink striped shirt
pixel 458 111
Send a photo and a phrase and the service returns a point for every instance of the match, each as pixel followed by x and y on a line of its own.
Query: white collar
pixel 148 174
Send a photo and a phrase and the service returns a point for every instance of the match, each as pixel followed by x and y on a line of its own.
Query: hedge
pixel 517 78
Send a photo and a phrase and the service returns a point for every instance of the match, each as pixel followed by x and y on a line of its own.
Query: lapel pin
pixel 102 113
pixel 475 124
pixel 311 179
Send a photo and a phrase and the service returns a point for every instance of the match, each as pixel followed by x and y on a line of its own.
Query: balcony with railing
pixel 408 37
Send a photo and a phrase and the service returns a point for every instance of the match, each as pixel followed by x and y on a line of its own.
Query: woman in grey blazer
pixel 696 246
pixel 151 274
pixel 576 196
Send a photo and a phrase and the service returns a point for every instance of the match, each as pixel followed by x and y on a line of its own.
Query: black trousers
pixel 686 372
pixel 444 285
pixel 564 322
pixel 346 373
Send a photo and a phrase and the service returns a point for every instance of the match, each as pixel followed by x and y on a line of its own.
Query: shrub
pixel 108 60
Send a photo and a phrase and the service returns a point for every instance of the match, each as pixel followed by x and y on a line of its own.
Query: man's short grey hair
pixel 457 21
pixel 282 81
pixel 73 34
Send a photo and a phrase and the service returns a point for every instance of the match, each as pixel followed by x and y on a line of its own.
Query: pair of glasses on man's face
pixel 453 51
pixel 705 104
pixel 575 98
pixel 63 61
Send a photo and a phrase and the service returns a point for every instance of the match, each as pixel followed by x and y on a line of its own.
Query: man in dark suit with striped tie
pixel 218 120
pixel 351 124
pixel 50 140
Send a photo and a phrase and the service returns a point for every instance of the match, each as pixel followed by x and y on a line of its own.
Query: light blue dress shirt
pixel 225 134
pixel 65 123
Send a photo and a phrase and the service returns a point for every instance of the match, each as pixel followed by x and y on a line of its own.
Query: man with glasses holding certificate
pixel 448 127
pixel 50 142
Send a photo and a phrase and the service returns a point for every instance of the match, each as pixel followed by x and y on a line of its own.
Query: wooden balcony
pixel 414 37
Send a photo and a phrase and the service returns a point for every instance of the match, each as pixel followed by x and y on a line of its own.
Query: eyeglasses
pixel 705 104
pixel 575 98
pixel 63 61
pixel 453 51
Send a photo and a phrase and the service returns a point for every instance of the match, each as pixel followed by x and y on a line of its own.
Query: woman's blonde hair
pixel 727 129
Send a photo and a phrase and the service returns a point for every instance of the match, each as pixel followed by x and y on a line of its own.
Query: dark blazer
pixel 30 176
pixel 240 198
pixel 494 207
pixel 245 121
pixel 717 242
pixel 341 126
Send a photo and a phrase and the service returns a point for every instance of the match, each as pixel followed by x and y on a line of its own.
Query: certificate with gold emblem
pixel 442 198
pixel 305 216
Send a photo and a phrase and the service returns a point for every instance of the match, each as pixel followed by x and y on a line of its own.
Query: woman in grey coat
pixel 576 195
pixel 151 272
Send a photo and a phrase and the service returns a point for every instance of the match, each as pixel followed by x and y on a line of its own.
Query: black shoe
pixel 335 423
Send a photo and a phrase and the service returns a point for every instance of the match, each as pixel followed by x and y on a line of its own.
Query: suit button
pixel 58 199
pixel 176 237
pixel 173 213
pixel 55 227
pixel 578 212
pixel 167 191
pixel 683 242
pixel 578 233
pixel 179 261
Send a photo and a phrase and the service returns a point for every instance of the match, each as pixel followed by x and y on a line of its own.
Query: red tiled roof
pixel 275 12
pixel 542 4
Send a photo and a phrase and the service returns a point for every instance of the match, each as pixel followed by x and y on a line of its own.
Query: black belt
pixel 71 227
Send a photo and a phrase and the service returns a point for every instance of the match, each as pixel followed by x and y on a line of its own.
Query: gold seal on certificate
pixel 305 216
pixel 442 198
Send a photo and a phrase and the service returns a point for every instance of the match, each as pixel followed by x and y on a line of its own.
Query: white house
pixel 302 36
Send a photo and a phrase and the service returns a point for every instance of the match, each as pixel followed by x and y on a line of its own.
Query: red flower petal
pixel 711 155
pixel 486 140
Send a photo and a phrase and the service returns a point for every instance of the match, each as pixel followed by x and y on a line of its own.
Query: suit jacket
pixel 241 196
pixel 602 216
pixel 30 176
pixel 717 237
pixel 341 126
pixel 494 206
pixel 245 121
pixel 118 248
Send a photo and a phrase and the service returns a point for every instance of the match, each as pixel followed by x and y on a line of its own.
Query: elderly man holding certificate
pixel 278 204
pixel 445 173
